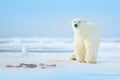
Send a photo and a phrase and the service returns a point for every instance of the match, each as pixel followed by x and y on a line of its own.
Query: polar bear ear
pixel 73 20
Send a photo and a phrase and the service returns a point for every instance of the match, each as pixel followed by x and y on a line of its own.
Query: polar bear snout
pixel 76 25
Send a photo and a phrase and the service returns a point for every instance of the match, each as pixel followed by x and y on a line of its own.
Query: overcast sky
pixel 51 18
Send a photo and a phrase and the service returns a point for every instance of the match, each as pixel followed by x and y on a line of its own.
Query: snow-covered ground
pixel 57 51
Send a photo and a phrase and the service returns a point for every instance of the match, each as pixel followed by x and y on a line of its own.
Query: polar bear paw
pixel 73 57
pixel 81 61
pixel 91 62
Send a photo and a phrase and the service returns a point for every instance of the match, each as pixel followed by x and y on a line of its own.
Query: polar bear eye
pixel 74 21
pixel 79 21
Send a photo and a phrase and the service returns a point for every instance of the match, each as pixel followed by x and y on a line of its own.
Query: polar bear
pixel 86 41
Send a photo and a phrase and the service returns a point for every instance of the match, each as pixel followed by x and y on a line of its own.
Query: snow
pixel 107 67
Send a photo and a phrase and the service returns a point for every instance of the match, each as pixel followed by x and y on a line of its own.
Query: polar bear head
pixel 78 23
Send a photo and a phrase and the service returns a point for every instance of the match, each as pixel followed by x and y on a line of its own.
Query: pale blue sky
pixel 51 18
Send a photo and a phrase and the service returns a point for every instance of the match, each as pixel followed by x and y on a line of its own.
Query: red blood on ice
pixel 9 66
pixel 53 65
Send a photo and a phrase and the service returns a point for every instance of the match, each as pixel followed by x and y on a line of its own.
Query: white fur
pixel 86 40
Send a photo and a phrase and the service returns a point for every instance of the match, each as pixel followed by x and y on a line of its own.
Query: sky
pixel 52 18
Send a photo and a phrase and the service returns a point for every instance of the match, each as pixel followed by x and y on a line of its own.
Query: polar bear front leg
pixel 91 51
pixel 80 52
pixel 73 57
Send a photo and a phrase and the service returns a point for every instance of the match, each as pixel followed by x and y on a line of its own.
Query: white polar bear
pixel 86 40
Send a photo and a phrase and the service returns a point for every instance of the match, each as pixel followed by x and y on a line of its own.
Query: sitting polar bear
pixel 86 40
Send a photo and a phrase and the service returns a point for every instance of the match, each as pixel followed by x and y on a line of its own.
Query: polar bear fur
pixel 86 40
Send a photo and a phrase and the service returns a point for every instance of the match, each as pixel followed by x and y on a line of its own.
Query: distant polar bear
pixel 86 40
